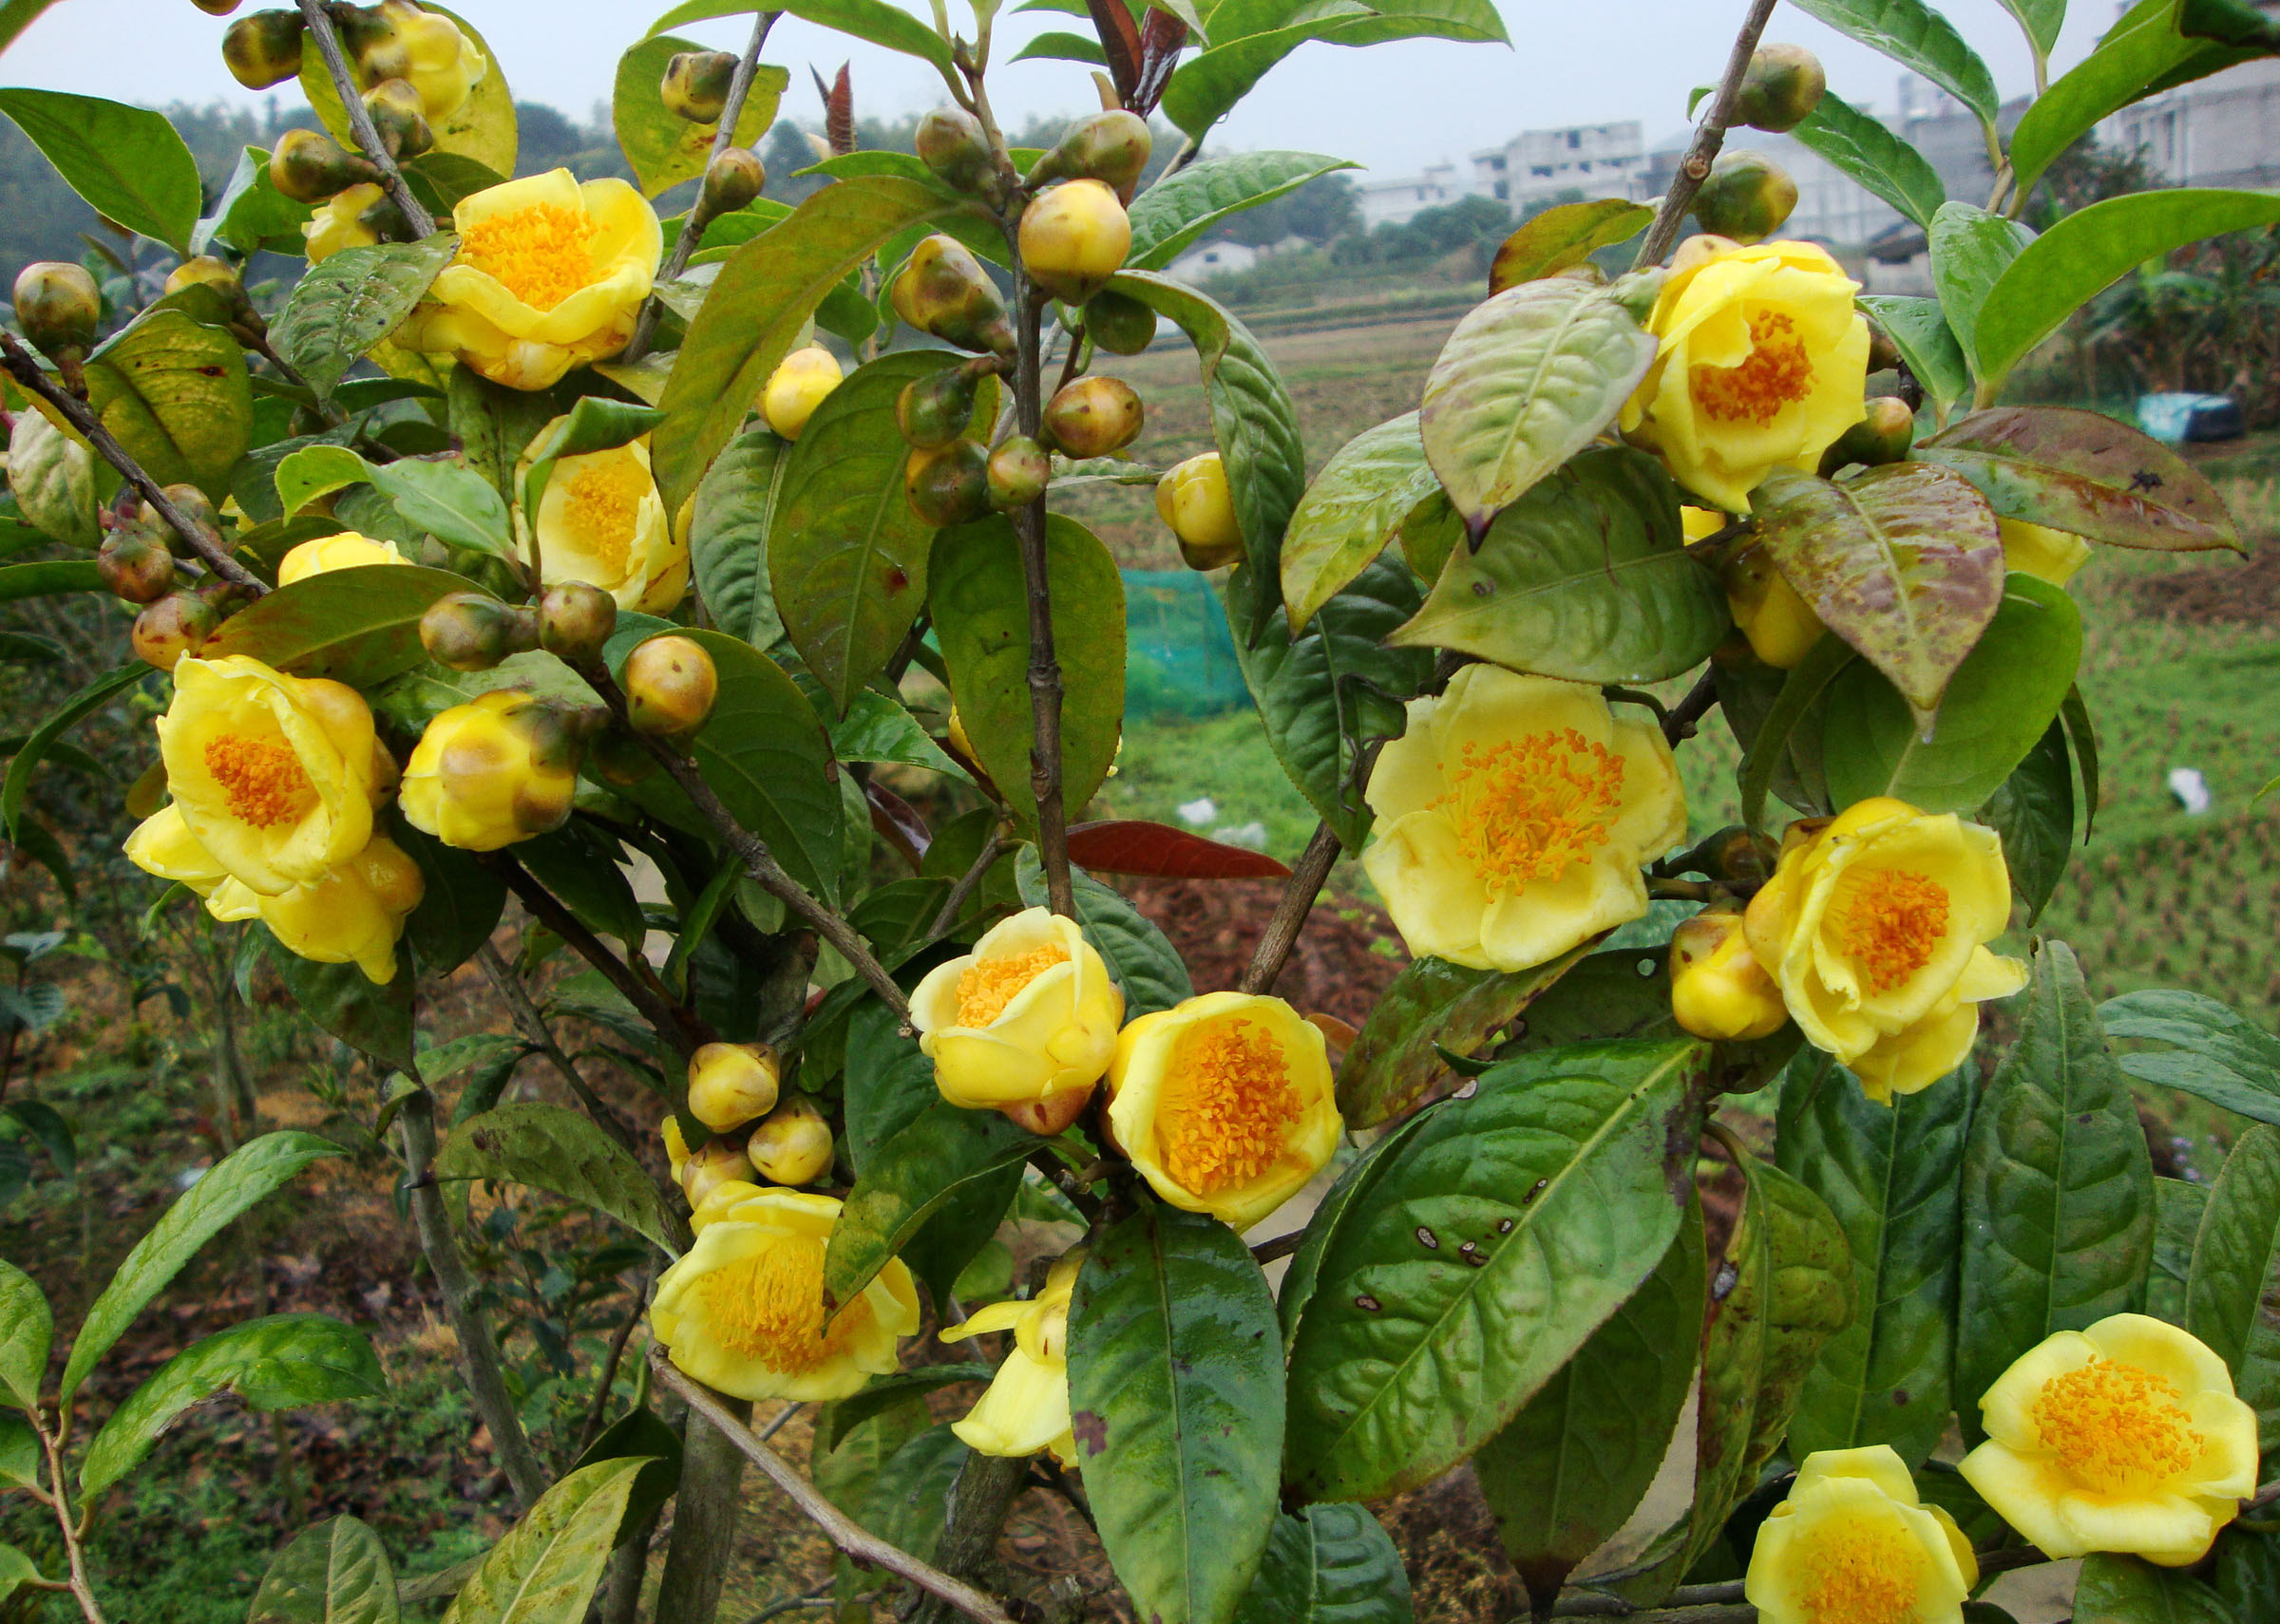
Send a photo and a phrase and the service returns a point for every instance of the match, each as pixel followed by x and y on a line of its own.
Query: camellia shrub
pixel 533 535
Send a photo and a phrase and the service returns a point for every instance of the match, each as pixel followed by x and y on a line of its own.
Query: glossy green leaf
pixel 26 1330
pixel 342 1000
pixel 878 729
pixel 1528 378
pixel 2033 811
pixel 1176 1395
pixel 226 1189
pixel 892 1474
pixel 1903 563
pixel 1207 87
pixel 980 598
pixel 1885 164
pixel 1351 511
pixel 494 425
pixel 2040 19
pixel 1584 577
pixel 2178 1209
pixel 1479 1256
pixel 17 15
pixel 1889 1175
pixel 2083 472
pixel 1143 963
pixel 1564 237
pixel 450 500
pixel 1567 1472
pixel 944 1153
pixel 1971 248
pixel 341 308
pixel 2236 1269
pixel 2217 1054
pixel 548 1566
pixel 1178 209
pixel 459 906
pixel 173 392
pixel 1918 38
pixel 2125 1589
pixel 128 162
pixel 1776 717
pixel 560 1150
pixel 885 1392
pixel 889 1083
pixel 1327 694
pixel 441 181
pixel 359 626
pixel 2247 1570
pixel 483 128
pixel 727 536
pixel 1328 1564
pixel 335 1571
pixel 314 471
pixel 663 147
pixel 252 216
pixel 2058 1188
pixel 52 726
pixel 55 481
pixel 1919 330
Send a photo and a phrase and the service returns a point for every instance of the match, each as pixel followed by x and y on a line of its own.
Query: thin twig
pixel 850 1537
pixel 75 1558
pixel 608 1379
pixel 1681 721
pixel 26 370
pixel 1694 167
pixel 967 884
pixel 783 1419
pixel 1299 892
pixel 676 1026
pixel 360 120
pixel 541 1036
pixel 1282 1246
pixel 1044 667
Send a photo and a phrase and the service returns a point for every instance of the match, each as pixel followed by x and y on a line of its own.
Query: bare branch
pixel 541 1036
pixel 1045 691
pixel 967 884
pixel 1281 933
pixel 674 1026
pixel 360 119
pixel 1711 135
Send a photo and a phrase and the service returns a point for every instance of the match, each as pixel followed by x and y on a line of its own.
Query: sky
pixel 1392 108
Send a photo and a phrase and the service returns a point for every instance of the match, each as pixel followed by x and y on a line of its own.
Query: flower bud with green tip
pixel 474 631
pixel 135 566
pixel 944 292
pixel 1017 472
pixel 696 85
pixel 309 168
pixel 215 8
pixel 374 45
pixel 1883 436
pixel 60 309
pixel 1747 197
pixel 1111 147
pixel 733 180
pixel 670 687
pixel 1119 324
pixel 1093 417
pixel 934 410
pixel 952 143
pixel 575 620
pixel 263 50
pixel 400 117
pixel 950 484
pixel 1780 92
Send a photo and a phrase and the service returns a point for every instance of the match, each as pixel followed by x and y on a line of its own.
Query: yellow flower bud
pixel 797 387
pixel 498 769
pixel 1029 1014
pixel 676 1147
pixel 1718 988
pixel 176 625
pixel 443 65
pixel 347 551
pixel 1073 237
pixel 1194 498
pixel 309 166
pixel 670 687
pixel 1092 417
pixel 1783 86
pixel 793 1145
pixel 602 521
pixel 1026 1408
pixel 1853 1541
pixel 1780 625
pixel 58 306
pixel 263 50
pixel 2125 1437
pixel 2038 551
pixel 732 1084
pixel 340 223
pixel 710 1165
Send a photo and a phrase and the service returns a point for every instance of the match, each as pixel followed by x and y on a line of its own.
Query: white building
pixel 1536 166
pixel 1208 259
pixel 1397 201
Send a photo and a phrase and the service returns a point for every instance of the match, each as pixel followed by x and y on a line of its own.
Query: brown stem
pixel 967 884
pixel 21 366
pixel 75 1529
pixel 1282 1246
pixel 1281 933
pixel 987 1489
pixel 704 1509
pixel 1694 167
pixel 1681 721
pixel 674 1026
pixel 541 1036
pixel 360 119
pixel 848 1536
pixel 1044 668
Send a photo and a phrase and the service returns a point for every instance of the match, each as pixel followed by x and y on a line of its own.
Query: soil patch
pixel 2243 591
pixel 1343 961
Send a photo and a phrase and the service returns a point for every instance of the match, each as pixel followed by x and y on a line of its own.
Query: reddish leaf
pixel 1161 38
pixel 1126 846
pixel 839 110
pixel 1119 42
pixel 2080 471
pixel 898 822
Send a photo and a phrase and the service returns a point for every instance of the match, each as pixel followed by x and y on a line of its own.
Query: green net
pixel 1179 659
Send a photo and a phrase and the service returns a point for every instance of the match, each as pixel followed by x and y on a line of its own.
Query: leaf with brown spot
pixel 1563 236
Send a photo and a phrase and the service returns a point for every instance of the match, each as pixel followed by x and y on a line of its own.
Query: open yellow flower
pixel 353 916
pixel 1026 1408
pixel 441 63
pixel 489 773
pixel 1029 1014
pixel 277 776
pixel 2125 1437
pixel 347 551
pixel 1854 1544
pixel 1874 925
pixel 1514 815
pixel 2038 551
pixel 601 521
pixel 744 1311
pixel 1763 361
pixel 550 275
pixel 1225 1104
pixel 340 223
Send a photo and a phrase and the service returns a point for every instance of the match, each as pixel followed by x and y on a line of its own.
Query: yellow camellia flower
pixel 162 844
pixel 339 223
pixel 1225 1104
pixel 1026 1408
pixel 1854 1544
pixel 1762 362
pixel 1514 815
pixel 2038 551
pixel 353 916
pixel 443 64
pixel 277 776
pixel 550 275
pixel 601 521
pixel 2125 1437
pixel 347 551
pixel 490 772
pixel 1030 1014
pixel 1874 925
pixel 744 1311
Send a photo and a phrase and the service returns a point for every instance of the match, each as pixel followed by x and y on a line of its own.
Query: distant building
pixel 1400 199
pixel 1208 259
pixel 2221 131
pixel 1536 166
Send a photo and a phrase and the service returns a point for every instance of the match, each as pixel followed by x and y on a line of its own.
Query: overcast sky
pixel 1394 107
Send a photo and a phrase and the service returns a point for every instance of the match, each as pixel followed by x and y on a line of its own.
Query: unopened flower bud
pixel 1780 625
pixel 1073 238
pixel 59 309
pixel 309 168
pixel 134 567
pixel 1111 147
pixel 943 290
pixel 797 387
pixel 1747 197
pixel 1119 324
pixel 575 620
pixel 196 509
pixel 1736 856
pixel 263 50
pixel 431 50
pixel 496 770
pixel 935 410
pixel 951 143
pixel 178 624
pixel 670 685
pixel 1051 1115
pixel 1195 500
pixel 474 631
pixel 1780 92
pixel 731 180
pixel 949 485
pixel 1718 988
pixel 793 1145
pixel 1018 471
pixel 400 117
pixel 374 45
pixel 1883 354
pixel 696 85
pixel 1883 436
pixel 215 8
pixel 1093 417
pixel 731 1084
pixel 205 271
pixel 711 1165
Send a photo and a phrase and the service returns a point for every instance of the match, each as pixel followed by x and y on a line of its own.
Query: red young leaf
pixel 839 110
pixel 1126 846
pixel 898 822
pixel 1161 38
pixel 1119 42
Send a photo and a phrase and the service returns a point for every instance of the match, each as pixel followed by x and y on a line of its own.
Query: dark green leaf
pixel 450 500
pixel 639 1434
pixel 844 1415
pixel 46 1128
pixel 2033 811
pixel 1328 1564
pixel 358 626
pixel 2236 1271
pixel 173 392
pixel 2178 1209
pixel 45 579
pixel 26 1330
pixel 2247 1570
pixel 342 308
pixel 553 1149
pixel 546 1568
pixel 1918 38
pixel 460 907
pixel 889 1083
pixel 2124 1590
pixel 344 1001
pixel 2083 472
pixel 1866 152
pixel 1431 1005
pixel 1919 330
pixel 727 536
pixel 1793 719
pixel 1178 209
pixel 128 162
pixel 1351 511
pixel 2217 1056
pixel 876 728
pixel 579 866
pixel 1143 963
pixel 251 215
pixel 945 1152
pixel 53 726
pixel 1564 237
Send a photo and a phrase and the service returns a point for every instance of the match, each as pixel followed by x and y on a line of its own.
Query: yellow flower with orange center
pixel 1875 927
pixel 1854 1544
pixel 1026 1408
pixel 2125 1437
pixel 347 551
pixel 744 1311
pixel 550 275
pixel 1029 1014
pixel 1513 816
pixel 602 522
pixel 1761 365
pixel 1225 1104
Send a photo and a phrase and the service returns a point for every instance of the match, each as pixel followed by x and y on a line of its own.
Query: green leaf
pixel 893 1474
pixel 889 1083
pixel 2235 1268
pixel 1919 329
pixel 1585 578
pixel 459 906
pixel 1143 963
pixel 1059 46
pixel 15 17
pixel 2218 1056
pixel 2247 1570
pixel 1567 1472
pixel 1432 1005
pixel 1176 1395
pixel 315 471
pixel 2124 1590
pixel 449 499
pixel 342 1000
pixel 663 147
pixel 20 1452
pixel 1349 513
pixel 1903 563
pixel 1918 38
pixel 27 1328
pixel 285 1361
pixel 1528 378
pixel 342 308
pixel 1889 1175
pixel 252 216
pixel 1564 237
pixel 53 726
pixel 335 1571
pixel 2041 20
pixel 878 729
pixel 879 24
pixel 545 1569
pixel 595 423
pixel 841 1416
pixel 1777 718
pixel 20 581
pixel 2178 1209
pixel 558 1150
pixel 1861 148
pixel 1999 702
pixel 2057 1189
pixel 173 392
pixel 1970 251
pixel 1328 1564
pixel 727 536
pixel 226 1189
pixel 980 598
pixel 54 478
pixel 441 181
pixel 2083 472
pixel 1554 1183
pixel 639 1434
pixel 945 1153
pixel 1325 695
pixel 128 162
pixel 759 309
pixel 16 1569
pixel 847 554
pixel 1179 208
pixel 2033 811
pixel 1206 87
pixel 579 866
pixel 359 626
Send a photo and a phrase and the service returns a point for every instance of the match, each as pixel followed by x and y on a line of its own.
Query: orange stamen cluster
pixel 1893 921
pixel 2114 1426
pixel 988 985
pixel 1776 373
pixel 604 506
pixel 542 253
pixel 1228 1107
pixel 1534 808
pixel 769 1308
pixel 1861 1574
pixel 263 780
